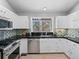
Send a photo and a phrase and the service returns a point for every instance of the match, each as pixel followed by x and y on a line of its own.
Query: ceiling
pixel 53 7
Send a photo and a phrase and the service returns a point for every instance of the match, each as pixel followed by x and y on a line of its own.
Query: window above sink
pixel 41 24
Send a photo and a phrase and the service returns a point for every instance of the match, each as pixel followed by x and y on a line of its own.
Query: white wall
pixel 75 9
pixel 5 4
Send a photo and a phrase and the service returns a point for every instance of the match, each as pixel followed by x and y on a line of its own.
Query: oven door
pixel 13 52
pixel 14 55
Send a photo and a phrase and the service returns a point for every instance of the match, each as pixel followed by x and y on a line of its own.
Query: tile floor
pixel 45 56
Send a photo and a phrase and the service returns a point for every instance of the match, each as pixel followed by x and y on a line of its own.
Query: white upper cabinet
pixel 18 21
pixel 21 22
pixel 2 11
pixel 62 22
pixel 74 20
pixel 6 14
pixel 70 21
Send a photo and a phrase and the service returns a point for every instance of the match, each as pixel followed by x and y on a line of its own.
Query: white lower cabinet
pixel 66 46
pixel 59 45
pixel 49 45
pixel 23 46
pixel 71 49
pixel 52 45
pixel 74 51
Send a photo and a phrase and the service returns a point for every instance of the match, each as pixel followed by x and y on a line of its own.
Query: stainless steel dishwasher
pixel 34 45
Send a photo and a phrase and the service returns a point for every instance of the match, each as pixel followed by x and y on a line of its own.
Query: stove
pixel 5 43
pixel 7 47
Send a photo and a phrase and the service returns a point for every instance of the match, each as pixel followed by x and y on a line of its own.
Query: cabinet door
pixel 65 46
pixel 62 22
pixel 48 46
pixel 5 13
pixel 74 20
pixel 74 51
pixel 21 22
pixel 1 11
pixel 68 45
pixel 59 45
pixel 71 49
pixel 77 51
pixel 23 46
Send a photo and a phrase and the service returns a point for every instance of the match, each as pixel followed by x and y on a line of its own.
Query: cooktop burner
pixel 6 42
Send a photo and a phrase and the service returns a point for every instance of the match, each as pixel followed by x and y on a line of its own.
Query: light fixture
pixel 44 9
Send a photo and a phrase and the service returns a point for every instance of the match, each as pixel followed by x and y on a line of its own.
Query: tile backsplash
pixel 6 34
pixel 73 33
pixel 21 31
pixel 9 33
pixel 61 32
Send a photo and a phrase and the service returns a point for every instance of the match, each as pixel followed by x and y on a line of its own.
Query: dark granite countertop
pixel 76 40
